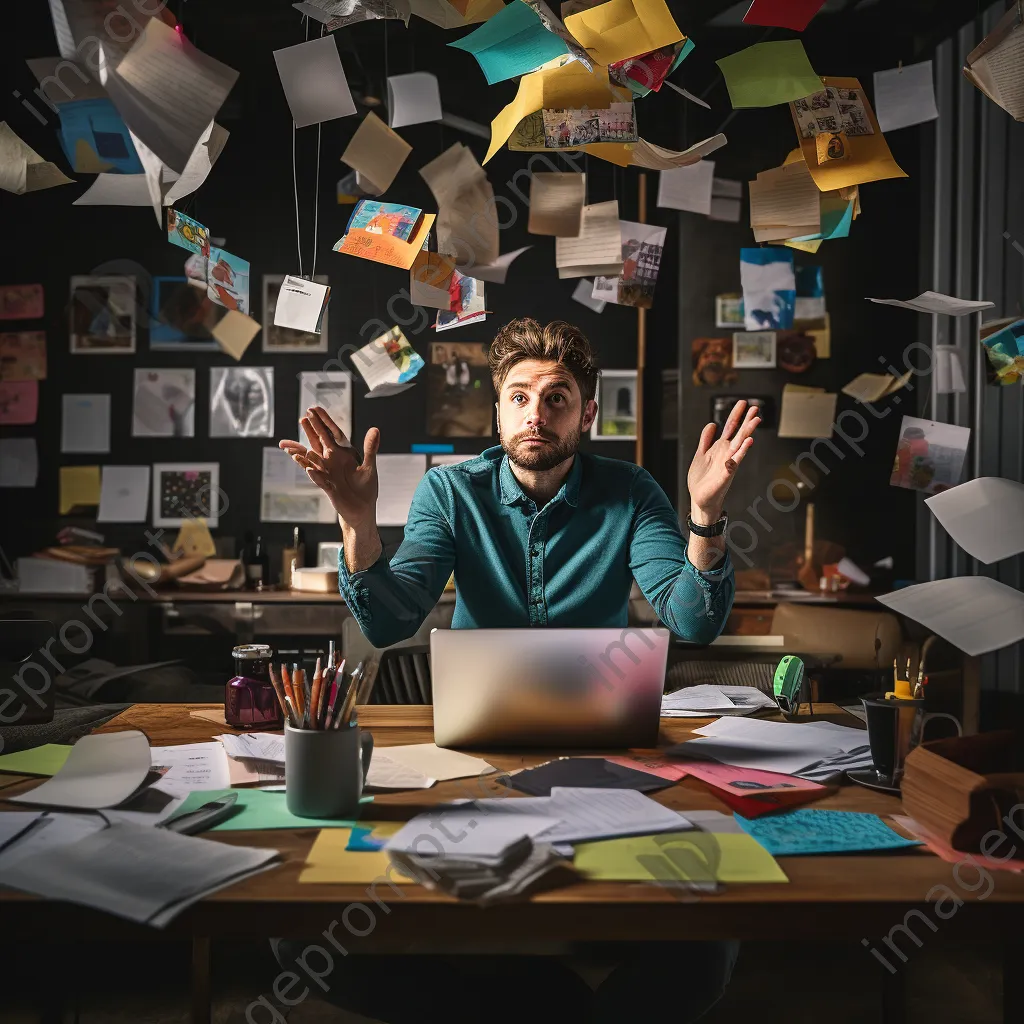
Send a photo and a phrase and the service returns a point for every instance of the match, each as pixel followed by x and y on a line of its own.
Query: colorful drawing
pixel 228 280
pixel 377 218
pixel 188 233
pixel 183 491
pixel 1005 351
pixel 929 455
pixel 23 355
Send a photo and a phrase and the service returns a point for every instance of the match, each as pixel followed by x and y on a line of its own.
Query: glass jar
pixel 249 698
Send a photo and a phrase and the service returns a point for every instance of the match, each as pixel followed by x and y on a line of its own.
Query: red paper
pixel 744 782
pixel 794 14
pixel 19 402
pixel 21 301
pixel 765 803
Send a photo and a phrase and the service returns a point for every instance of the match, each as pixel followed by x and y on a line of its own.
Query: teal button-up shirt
pixel 570 563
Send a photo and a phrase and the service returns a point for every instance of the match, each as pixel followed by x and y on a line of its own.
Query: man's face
pixel 541 414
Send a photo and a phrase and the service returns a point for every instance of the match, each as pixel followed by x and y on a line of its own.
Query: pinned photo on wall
pixel 183 491
pixel 102 317
pixel 241 401
pixel 642 248
pixel 729 310
pixel 753 350
pixel 460 399
pixel 228 280
pixel 711 362
pixel 164 403
pixel 330 390
pixel 616 407
pixel 182 316
pixel 21 301
pixel 23 355
pixel 277 338
pixel 929 455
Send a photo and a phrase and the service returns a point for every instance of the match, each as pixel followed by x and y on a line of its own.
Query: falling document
pixel 974 613
pixel 984 516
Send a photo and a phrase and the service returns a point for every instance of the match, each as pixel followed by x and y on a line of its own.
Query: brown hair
pixel 559 342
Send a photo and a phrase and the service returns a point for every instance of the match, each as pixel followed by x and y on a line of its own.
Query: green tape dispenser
pixel 788 684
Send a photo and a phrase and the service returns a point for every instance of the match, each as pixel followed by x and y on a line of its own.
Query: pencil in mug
pixel 314 696
pixel 325 689
pixel 332 700
pixel 350 697
pixel 289 695
pixel 278 692
pixel 299 692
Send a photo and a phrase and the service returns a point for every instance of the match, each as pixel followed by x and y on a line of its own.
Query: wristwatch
pixel 715 529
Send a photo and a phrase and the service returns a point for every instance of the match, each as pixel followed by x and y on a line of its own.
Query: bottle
pixel 260 569
pixel 249 698
pixel 250 562
pixel 293 556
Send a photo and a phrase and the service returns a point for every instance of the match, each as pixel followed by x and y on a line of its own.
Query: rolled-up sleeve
pixel 390 600
pixel 692 603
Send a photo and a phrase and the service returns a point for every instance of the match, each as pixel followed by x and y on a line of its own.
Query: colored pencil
pixel 332 701
pixel 314 695
pixel 350 696
pixel 278 692
pixel 289 691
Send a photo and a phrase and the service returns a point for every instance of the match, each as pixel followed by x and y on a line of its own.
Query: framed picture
pixel 182 317
pixel 729 310
pixel 184 491
pixel 327 553
pixel 616 407
pixel 287 339
pixel 241 401
pixel 102 315
pixel 753 350
pixel 164 403
pixel 460 399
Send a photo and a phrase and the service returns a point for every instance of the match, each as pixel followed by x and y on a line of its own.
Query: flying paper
pixel 413 99
pixel 984 516
pixel 22 169
pixel 314 81
pixel 767 74
pixel 905 96
pixel 556 203
pixel 936 302
pixel 377 152
pixel 597 250
pixel 619 29
pixel 996 65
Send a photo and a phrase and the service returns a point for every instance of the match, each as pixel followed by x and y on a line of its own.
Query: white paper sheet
pixel 496 272
pixel 164 403
pixel 584 294
pixel 949 373
pixel 209 147
pixel 386 773
pixel 467 832
pixel 413 99
pixel 686 94
pixel 398 476
pixel 974 613
pixel 937 302
pixel 287 495
pixel 905 96
pixel 597 251
pixel 687 188
pixel 85 424
pixel 704 697
pixel 52 830
pixel 19 462
pixel 438 762
pixel 300 304
pixel 101 770
pixel 587 814
pixel 116 190
pixel 15 823
pixel 168 92
pixel 784 202
pixel 263 746
pixel 314 81
pixel 984 516
pixel 147 875
pixel 331 390
pixel 725 209
pixel 191 766
pixel 124 494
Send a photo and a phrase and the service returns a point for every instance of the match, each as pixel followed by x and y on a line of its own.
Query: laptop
pixel 568 688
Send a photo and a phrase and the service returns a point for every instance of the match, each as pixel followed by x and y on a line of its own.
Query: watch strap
pixel 715 529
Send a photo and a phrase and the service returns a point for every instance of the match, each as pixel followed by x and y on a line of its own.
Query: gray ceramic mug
pixel 325 770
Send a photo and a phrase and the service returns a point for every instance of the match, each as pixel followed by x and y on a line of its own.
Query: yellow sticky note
pixel 194 539
pixel 234 332
pixel 329 862
pixel 679 857
pixel 79 486
pixel 619 29
pixel 45 760
pixel 813 245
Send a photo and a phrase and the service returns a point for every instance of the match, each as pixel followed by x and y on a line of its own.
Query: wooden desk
pixel 827 898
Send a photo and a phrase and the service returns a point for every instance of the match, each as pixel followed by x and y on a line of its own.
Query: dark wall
pixel 854 504
pixel 248 199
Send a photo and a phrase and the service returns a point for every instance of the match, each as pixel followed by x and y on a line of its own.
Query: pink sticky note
pixel 794 14
pixel 745 781
pixel 19 401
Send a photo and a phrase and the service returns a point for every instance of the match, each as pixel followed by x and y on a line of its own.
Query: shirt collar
pixel 512 493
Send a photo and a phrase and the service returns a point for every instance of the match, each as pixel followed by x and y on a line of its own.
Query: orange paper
pixel 386 248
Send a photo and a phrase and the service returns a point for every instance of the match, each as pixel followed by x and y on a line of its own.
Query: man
pixel 537 534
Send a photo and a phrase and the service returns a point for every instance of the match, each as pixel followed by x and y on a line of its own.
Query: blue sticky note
pixel 95 138
pixel 361 839
pixel 815 831
pixel 432 449
pixel 512 42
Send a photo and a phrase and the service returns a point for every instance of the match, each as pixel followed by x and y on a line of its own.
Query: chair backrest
pixel 403 676
pixel 24 672
pixel 847 632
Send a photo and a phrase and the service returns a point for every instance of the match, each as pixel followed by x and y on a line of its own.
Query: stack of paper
pixel 597 250
pixel 146 875
pixel 469 832
pixel 784 203
pixel 703 700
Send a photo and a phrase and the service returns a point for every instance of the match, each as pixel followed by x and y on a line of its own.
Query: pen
pixel 350 696
pixel 278 692
pixel 339 675
pixel 314 696
pixel 299 693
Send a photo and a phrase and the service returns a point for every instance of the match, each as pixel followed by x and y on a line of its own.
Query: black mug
pixel 895 727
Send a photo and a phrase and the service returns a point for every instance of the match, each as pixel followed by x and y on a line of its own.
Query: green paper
pixel 45 760
pixel 767 74
pixel 259 810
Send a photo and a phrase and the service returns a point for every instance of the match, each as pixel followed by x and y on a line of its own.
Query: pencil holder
pixel 325 770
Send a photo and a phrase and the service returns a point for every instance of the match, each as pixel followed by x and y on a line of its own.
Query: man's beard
pixel 539 458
